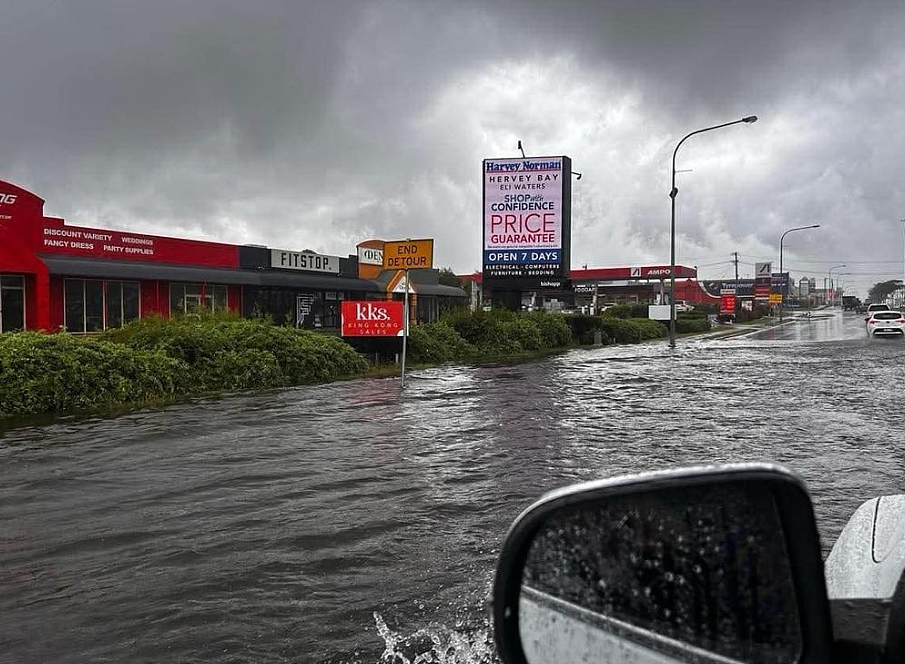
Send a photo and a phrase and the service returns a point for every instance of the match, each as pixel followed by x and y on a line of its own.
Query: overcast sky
pixel 321 124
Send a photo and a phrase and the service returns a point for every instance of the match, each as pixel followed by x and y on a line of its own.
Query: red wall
pixel 56 237
pixel 25 233
pixel 234 299
pixel 155 298
pixel 690 291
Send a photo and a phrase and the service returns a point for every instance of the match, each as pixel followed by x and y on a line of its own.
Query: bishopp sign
pixel 373 318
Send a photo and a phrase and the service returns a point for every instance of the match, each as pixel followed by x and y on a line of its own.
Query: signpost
pixel 763 280
pixel 407 255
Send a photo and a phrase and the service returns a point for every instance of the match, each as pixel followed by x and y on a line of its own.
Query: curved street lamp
pixel 781 238
pixel 672 226
pixel 830 271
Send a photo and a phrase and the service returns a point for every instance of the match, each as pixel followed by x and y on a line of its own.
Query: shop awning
pixel 291 280
pixel 438 289
pixel 107 269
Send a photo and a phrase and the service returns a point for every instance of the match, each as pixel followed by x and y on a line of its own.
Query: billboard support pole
pixel 405 324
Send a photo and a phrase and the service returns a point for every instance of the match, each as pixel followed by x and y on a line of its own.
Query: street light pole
pixel 832 285
pixel 781 238
pixel 672 225
pixel 903 266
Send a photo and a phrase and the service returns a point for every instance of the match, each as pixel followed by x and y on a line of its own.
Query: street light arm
pixel 800 228
pixel 749 119
pixel 701 131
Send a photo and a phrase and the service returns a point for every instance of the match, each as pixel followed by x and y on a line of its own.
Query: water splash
pixel 436 644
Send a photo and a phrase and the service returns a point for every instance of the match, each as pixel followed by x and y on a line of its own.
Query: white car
pixel 682 306
pixel 886 323
pixel 873 308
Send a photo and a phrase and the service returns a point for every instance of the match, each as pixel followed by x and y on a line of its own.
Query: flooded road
pixel 347 523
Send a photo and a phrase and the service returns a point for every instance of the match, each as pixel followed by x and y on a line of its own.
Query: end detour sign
pixel 408 255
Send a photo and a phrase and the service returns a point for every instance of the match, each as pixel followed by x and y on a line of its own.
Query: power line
pixel 841 260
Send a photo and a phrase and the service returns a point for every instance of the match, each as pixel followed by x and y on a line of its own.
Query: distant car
pixel 871 308
pixel 682 306
pixel 886 323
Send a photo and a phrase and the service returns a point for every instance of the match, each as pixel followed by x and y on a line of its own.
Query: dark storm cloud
pixel 319 124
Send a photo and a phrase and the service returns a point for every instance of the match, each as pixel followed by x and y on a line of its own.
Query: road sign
pixel 775 298
pixel 408 255
pixel 763 269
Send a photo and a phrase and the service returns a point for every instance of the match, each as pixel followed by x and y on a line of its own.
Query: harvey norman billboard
pixel 527 220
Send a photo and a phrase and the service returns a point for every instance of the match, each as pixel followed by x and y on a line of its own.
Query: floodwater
pixel 349 523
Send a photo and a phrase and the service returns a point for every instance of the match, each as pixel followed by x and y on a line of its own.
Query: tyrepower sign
pixel 408 255
pixel 374 318
pixel 527 219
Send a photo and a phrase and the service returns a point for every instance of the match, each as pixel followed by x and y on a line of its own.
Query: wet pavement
pixel 349 523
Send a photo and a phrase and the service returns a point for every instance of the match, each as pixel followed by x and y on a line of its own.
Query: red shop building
pixel 55 276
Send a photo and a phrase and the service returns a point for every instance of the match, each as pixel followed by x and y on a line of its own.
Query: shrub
pixel 207 344
pixel 437 342
pixel 239 370
pixel 583 327
pixel 620 330
pixel 618 311
pixel 686 325
pixel 554 330
pixel 503 332
pixel 524 332
pixel 46 373
pixel 649 329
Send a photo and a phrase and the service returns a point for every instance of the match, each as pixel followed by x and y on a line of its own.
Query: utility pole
pixel 735 260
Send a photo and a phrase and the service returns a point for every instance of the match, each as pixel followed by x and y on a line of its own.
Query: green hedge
pixel 649 329
pixel 156 359
pixel 500 332
pixel 635 310
pixel 685 325
pixel 614 329
pixel 584 326
pixel 42 373
pixel 299 356
pixel 434 343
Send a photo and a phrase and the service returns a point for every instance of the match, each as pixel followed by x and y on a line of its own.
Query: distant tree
pixel 449 278
pixel 883 289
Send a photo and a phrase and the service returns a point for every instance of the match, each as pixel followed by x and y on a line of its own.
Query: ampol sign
pixel 374 318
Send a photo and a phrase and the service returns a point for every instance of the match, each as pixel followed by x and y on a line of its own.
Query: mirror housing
pixel 796 536
pixel 865 578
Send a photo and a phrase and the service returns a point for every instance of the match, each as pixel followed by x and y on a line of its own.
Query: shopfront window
pixel 92 305
pixel 12 303
pixel 195 298
pixel 331 309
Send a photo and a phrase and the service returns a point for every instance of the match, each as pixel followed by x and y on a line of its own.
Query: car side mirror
pixel 718 564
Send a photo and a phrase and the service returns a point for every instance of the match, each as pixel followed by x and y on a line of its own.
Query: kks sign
pixel 374 318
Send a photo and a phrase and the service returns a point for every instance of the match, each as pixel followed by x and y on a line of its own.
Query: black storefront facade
pixel 300 298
